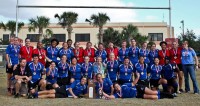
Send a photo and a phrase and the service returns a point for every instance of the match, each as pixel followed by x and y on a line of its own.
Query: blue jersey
pixel 133 54
pixel 122 53
pixel 168 71
pixel 187 56
pixel 152 55
pixel 87 70
pixel 112 70
pixel 69 53
pixel 63 70
pixel 127 91
pixel 142 69
pixel 102 54
pixel 155 71
pixel 75 71
pixel 98 68
pixel 106 85
pixel 77 88
pixel 13 52
pixel 52 53
pixel 52 78
pixel 145 54
pixel 36 70
pixel 125 73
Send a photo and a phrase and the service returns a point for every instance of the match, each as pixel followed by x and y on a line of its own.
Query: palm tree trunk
pixel 69 30
pixel 40 37
pixel 69 35
pixel 101 34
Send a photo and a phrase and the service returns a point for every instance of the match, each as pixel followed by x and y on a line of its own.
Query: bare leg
pixel 42 84
pixel 46 96
pixel 9 83
pixel 180 76
pixel 45 92
pixel 17 86
pixel 150 92
pixel 55 85
pixel 150 96
pixel 162 81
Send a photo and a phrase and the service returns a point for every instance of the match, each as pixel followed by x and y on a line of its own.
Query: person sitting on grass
pixel 76 89
pixel 22 75
pixel 133 90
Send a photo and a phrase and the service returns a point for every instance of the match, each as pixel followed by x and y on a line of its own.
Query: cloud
pixel 116 15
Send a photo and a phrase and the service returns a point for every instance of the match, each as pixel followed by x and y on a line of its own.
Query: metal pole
pixel 16 30
pixel 183 27
pixel 170 29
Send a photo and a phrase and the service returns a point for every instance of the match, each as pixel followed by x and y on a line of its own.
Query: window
pixel 5 37
pixel 82 37
pixel 33 37
pixel 155 36
pixel 60 37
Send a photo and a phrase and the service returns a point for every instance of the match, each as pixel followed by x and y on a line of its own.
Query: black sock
pixel 165 95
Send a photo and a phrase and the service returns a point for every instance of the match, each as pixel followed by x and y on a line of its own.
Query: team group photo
pixel 56 59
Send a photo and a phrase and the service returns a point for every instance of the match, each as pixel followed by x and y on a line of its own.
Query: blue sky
pixel 187 10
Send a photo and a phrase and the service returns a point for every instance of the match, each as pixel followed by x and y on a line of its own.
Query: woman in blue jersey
pixel 52 52
pixel 155 75
pixel 75 70
pixel 133 52
pixel 126 72
pixel 86 68
pixel 153 53
pixel 123 52
pixel 99 67
pixel 66 51
pixel 76 89
pixel 63 71
pixel 144 52
pixel 112 68
pixel 101 52
pixel 132 90
pixel 52 75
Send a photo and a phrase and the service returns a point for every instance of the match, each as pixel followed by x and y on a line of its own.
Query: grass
pixel 185 99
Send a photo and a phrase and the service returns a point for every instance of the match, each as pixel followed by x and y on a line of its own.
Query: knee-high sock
pixel 175 85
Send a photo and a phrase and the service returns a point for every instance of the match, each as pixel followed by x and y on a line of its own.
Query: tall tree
pixel 99 20
pixel 111 35
pixel 40 23
pixel 11 26
pixel 131 32
pixel 66 20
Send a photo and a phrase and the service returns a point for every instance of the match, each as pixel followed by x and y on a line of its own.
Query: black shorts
pixel 121 82
pixel 154 83
pixel 170 82
pixel 140 91
pixel 63 81
pixel 143 82
pixel 33 85
pixel 180 67
pixel 9 70
pixel 61 92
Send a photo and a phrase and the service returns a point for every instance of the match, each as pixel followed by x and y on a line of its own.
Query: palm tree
pixel 111 35
pixel 131 32
pixel 41 22
pixel 66 19
pixel 11 26
pixel 99 20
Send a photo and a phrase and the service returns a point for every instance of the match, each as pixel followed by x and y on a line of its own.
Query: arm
pixel 17 77
pixel 108 96
pixel 196 61
pixel 136 79
pixel 72 93
pixel 112 90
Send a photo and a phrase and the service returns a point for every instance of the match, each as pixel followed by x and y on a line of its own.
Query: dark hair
pixel 68 40
pixel 64 43
pixel 153 44
pixel 52 62
pixel 73 58
pixel 163 42
pixel 75 43
pixel 35 55
pixel 100 44
pixel 98 74
pixel 57 42
pixel 89 42
pixel 141 57
pixel 126 57
pixel 115 84
pixel 143 43
pixel 27 39
pixel 20 60
pixel 63 55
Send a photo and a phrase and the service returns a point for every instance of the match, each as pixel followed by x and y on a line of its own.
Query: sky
pixel 187 10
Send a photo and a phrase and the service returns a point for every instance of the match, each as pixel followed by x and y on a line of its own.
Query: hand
pixel 196 67
pixel 15 66
pixel 27 78
pixel 9 65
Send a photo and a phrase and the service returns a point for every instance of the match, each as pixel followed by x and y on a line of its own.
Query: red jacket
pixel 109 50
pixel 162 54
pixel 90 53
pixel 24 53
pixel 79 54
pixel 175 56
pixel 42 55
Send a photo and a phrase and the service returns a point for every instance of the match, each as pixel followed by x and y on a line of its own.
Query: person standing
pixel 66 51
pixel 123 52
pixel 101 52
pixel 87 68
pixel 145 53
pixel 133 52
pixel 40 52
pixel 52 52
pixel 111 49
pixel 164 52
pixel 78 52
pixel 69 44
pixel 27 51
pixel 12 59
pixel 153 54
pixel 189 66
pixel 75 70
pixel 90 52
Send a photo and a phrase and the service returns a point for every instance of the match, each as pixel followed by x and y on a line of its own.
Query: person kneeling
pixel 132 90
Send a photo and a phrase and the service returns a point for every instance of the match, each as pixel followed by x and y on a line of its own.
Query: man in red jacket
pixel 90 52
pixel 26 51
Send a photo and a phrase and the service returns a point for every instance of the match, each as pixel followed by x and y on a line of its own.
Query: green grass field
pixel 186 99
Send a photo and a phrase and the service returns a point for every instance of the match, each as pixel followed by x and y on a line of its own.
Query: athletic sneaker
pixel 181 90
pixel 16 95
pixel 175 95
pixel 30 96
pixel 196 93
